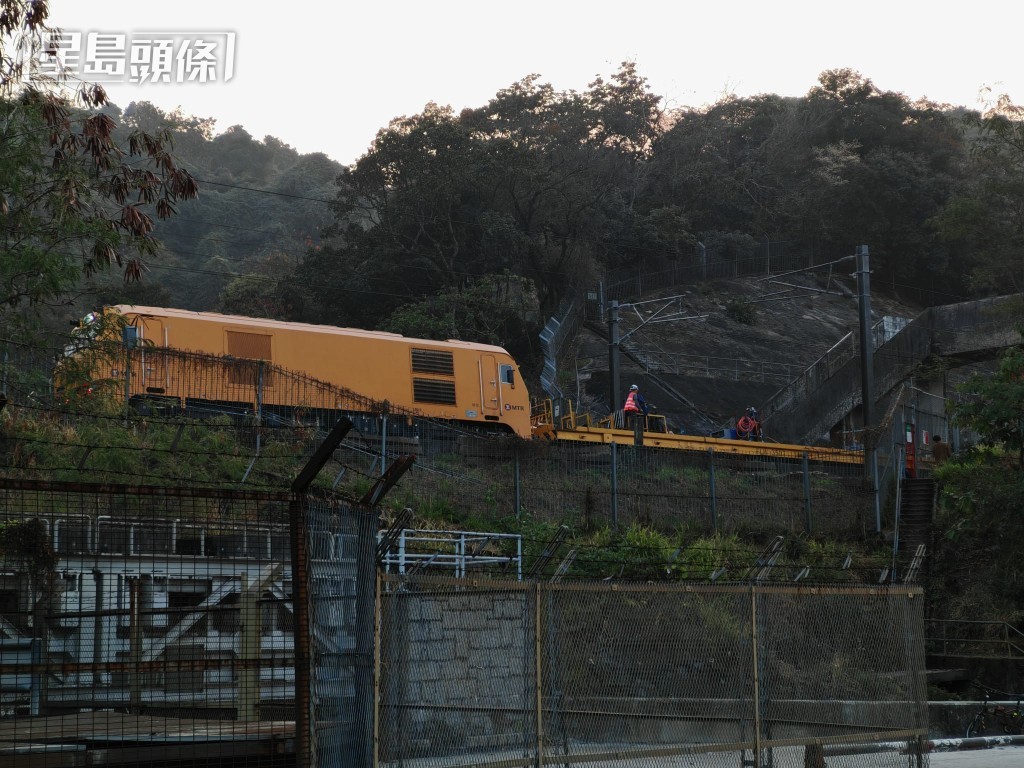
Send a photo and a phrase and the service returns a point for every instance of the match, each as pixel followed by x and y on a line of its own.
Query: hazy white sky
pixel 324 77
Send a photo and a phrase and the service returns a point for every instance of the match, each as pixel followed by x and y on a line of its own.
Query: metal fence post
pixel 755 661
pixel 249 674
pixel 258 420
pixel 377 612
pixel 538 680
pixel 127 375
pixel 711 490
pixel 259 405
pixel 615 488
pixel 517 491
pixel 129 340
pixel 259 391
pixel 298 523
pixel 366 603
pixel 38 676
pixel 135 644
pixel 300 625
pixel 807 491
pixel 874 485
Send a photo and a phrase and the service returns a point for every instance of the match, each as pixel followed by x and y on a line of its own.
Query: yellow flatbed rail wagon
pixel 574 427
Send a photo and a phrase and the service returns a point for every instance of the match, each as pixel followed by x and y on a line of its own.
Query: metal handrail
pixel 800 383
pixel 967 646
pixel 459 551
pixel 661 361
pixel 788 390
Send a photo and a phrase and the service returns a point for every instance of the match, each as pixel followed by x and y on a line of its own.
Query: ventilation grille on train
pixel 248 347
pixel 433 391
pixel 433 361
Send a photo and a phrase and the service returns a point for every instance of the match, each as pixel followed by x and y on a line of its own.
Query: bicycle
pixel 998 718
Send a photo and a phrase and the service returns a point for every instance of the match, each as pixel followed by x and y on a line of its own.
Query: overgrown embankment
pixel 674 517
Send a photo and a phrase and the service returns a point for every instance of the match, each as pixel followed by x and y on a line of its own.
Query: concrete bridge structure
pixel 829 392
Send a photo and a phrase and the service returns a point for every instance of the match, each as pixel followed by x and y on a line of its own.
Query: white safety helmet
pixel 633 387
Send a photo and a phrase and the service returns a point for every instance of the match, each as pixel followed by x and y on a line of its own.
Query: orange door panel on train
pixel 153 364
pixel 489 398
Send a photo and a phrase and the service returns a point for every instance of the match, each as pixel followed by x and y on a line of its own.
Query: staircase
pixel 915 526
pixel 807 407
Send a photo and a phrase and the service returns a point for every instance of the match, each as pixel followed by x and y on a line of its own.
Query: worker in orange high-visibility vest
pixel 636 411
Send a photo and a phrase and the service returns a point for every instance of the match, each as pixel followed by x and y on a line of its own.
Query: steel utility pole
pixel 866 342
pixel 613 357
pixel 867 371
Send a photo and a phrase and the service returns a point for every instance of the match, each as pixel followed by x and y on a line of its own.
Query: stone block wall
pixel 459 669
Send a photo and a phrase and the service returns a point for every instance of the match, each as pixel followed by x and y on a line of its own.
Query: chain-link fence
pixel 714 262
pixel 340 631
pixel 704 263
pixel 168 380
pixel 459 473
pixel 157 623
pixel 145 625
pixel 593 485
pixel 499 673
pixel 558 333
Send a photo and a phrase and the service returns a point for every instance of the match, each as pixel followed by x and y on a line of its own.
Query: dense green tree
pixel 899 163
pixel 976 571
pixel 723 165
pixel 536 183
pixel 564 168
pixel 260 198
pixel 73 199
pixel 489 310
pixel 847 164
pixel 562 186
pixel 992 405
pixel 144 293
pixel 268 290
pixel 983 222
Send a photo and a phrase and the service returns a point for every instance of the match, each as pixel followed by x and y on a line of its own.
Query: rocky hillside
pixel 734 344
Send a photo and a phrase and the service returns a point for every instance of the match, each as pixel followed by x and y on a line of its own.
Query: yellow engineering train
pixel 461 381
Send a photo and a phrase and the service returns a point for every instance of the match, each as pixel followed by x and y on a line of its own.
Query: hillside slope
pixel 737 343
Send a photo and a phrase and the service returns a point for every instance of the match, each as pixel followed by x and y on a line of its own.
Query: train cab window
pixel 508 375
